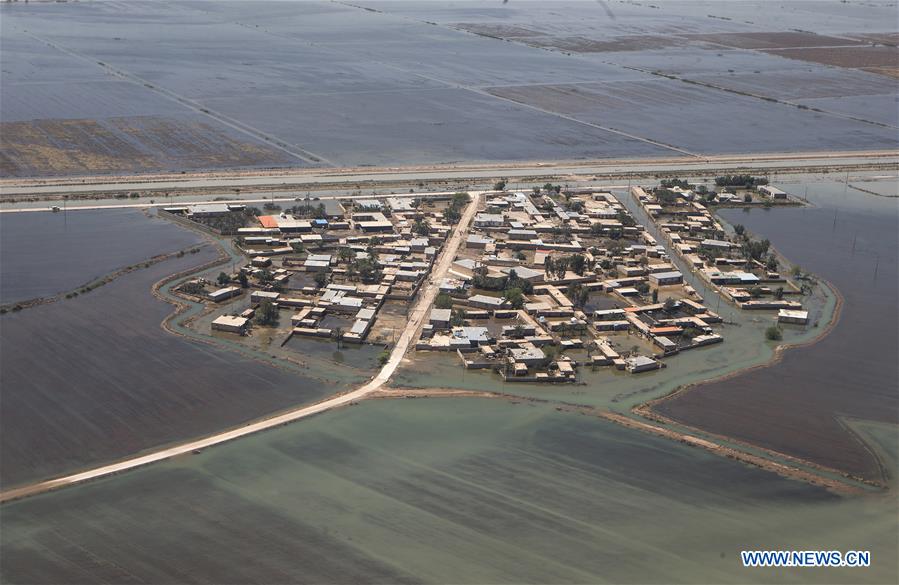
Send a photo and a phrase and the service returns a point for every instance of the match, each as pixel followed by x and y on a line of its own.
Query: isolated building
pixel 231 324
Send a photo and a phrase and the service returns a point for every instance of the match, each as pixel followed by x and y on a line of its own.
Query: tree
pixel 773 333
pixel 747 198
pixel 338 335
pixel 625 218
pixel 518 331
pixel 321 279
pixel 561 267
pixel 267 313
pixel 421 227
pixel 223 279
pixel 244 281
pixel 771 264
pixel 578 263
pixel 457 318
pixel 500 185
pixel 755 292
pixel 670 305
pixel 668 183
pixel 779 293
pixel 346 254
pixel 298 247
pixel 266 277
pixel 550 352
pixel 739 229
pixel 666 196
pixel 443 301
pixel 515 297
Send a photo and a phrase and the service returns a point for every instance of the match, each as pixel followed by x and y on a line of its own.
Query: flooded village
pixel 547 281
pixel 470 291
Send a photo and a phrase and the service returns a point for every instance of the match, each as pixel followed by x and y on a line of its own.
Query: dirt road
pixel 421 308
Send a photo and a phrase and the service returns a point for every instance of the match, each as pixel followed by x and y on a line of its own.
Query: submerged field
pixel 43 254
pixel 106 87
pixel 798 406
pixel 441 490
pixel 95 378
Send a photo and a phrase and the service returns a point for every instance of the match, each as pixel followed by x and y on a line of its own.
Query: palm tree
pixel 338 335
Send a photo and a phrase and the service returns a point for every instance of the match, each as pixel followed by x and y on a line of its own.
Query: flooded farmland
pixel 43 254
pixel 799 406
pixel 95 378
pixel 91 87
pixel 437 491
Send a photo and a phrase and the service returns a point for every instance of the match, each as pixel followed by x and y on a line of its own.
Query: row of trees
pixel 453 213
pixel 577 263
pixel 740 181
pixel 309 211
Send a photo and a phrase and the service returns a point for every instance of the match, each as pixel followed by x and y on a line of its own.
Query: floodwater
pixel 799 405
pixel 203 85
pixel 95 378
pixel 42 254
pixel 443 491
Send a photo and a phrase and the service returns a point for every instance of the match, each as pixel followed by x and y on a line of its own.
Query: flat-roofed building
pixel 231 324
pixel 666 278
pixel 257 296
pixel 440 318
pixel 528 354
pixel 489 220
pixel 478 241
pixel 208 210
pixel 291 225
pixel 641 363
pixel 792 316
pixel 717 245
pixel 486 302
pixel 222 294
pixel 772 191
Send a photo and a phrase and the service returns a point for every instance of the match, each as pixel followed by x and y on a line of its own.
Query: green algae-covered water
pixel 443 490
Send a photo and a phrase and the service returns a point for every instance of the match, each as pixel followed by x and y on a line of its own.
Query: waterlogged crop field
pixel 105 87
pixel 798 406
pixel 438 491
pixel 42 254
pixel 95 378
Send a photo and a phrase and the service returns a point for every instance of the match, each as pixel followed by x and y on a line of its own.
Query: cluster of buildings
pixel 334 266
pixel 723 259
pixel 522 297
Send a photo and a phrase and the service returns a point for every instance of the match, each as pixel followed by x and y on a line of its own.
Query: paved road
pixel 227 181
pixel 241 201
pixel 421 308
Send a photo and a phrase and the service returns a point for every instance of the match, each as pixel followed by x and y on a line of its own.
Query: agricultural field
pixel 95 378
pixel 674 113
pixel 437 491
pixel 849 238
pixel 93 87
pixel 43 254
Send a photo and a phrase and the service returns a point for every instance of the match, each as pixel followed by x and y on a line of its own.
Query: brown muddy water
pixel 798 405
